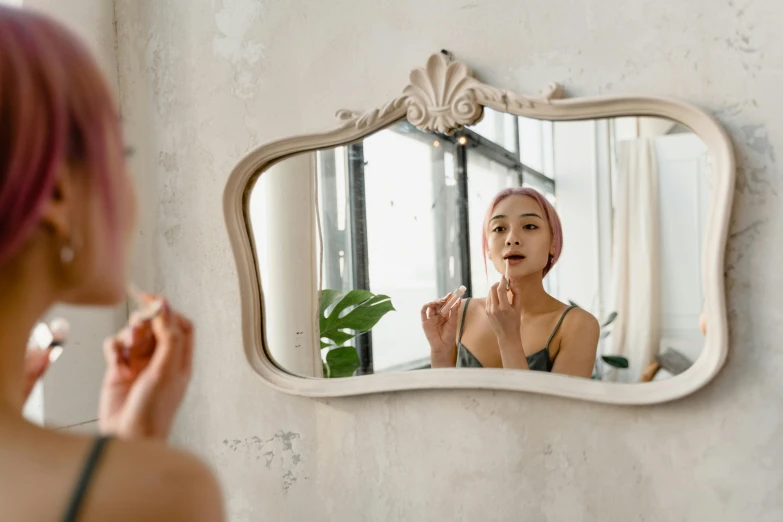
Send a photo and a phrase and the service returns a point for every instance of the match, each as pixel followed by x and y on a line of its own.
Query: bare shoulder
pixel 580 331
pixel 131 481
pixel 477 304
pixel 475 309
pixel 478 301
pixel 581 323
pixel 146 480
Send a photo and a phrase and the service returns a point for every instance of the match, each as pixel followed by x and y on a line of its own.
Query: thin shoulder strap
pixel 557 326
pixel 462 323
pixel 88 471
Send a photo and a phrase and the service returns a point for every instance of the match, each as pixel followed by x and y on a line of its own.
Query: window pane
pixel 534 182
pixel 531 143
pixel 497 127
pixel 402 253
pixel 333 213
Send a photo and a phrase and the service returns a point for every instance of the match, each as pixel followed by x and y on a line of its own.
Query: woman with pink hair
pixel 67 213
pixel 518 325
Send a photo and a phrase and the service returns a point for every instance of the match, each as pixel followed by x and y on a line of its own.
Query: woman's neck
pixel 22 303
pixel 533 297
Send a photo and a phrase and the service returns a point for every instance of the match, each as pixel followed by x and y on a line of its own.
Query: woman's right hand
pixel 148 371
pixel 441 330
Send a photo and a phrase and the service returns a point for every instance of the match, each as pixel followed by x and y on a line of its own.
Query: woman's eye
pixel 497 229
pixel 530 227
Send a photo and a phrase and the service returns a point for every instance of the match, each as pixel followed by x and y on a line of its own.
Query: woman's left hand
pixel 504 315
pixel 36 362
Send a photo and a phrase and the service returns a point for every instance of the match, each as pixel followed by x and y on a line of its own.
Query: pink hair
pixel 550 214
pixel 55 109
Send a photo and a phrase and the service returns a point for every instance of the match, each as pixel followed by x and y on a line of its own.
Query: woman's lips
pixel 515 260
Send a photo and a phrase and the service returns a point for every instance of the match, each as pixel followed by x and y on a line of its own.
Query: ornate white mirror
pixel 606 216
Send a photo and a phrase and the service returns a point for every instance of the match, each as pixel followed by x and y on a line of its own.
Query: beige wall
pixel 203 82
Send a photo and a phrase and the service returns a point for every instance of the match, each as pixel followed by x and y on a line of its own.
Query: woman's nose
pixel 509 243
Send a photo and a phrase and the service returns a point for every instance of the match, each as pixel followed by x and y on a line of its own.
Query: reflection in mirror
pixel 370 238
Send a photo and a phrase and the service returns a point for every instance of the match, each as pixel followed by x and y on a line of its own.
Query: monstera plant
pixel 352 314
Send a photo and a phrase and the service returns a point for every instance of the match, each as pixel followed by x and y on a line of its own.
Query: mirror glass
pixel 353 242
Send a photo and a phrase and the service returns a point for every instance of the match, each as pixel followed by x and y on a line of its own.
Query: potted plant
pixel 352 314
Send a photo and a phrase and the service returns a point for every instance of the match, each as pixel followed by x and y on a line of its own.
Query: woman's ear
pixel 57 210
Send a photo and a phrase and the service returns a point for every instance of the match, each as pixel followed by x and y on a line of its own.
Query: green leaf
pixel 342 361
pixel 366 309
pixel 610 319
pixel 352 298
pixel 327 298
pixel 365 316
pixel 605 334
pixel 339 338
pixel 615 360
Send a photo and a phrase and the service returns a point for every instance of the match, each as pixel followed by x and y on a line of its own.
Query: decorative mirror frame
pixel 443 97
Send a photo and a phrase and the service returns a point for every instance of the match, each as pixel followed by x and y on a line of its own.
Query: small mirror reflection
pixel 595 227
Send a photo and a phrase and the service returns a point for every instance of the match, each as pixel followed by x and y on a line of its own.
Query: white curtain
pixel 635 258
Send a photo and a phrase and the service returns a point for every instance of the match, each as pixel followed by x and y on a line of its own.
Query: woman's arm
pixel 512 354
pixel 578 345
pixel 447 359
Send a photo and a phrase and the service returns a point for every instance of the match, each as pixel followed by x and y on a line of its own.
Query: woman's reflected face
pixel 519 232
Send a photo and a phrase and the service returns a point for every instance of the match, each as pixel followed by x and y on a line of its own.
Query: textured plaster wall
pixel 204 82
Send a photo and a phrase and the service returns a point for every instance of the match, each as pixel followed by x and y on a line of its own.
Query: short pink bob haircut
pixel 55 108
pixel 550 214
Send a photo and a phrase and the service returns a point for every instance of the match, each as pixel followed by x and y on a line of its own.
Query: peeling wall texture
pixel 202 83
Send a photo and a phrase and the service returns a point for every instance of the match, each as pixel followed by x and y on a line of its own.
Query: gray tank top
pixel 538 361
pixel 82 485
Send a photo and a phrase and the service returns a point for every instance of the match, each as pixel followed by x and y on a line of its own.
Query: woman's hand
pixel 441 330
pixel 504 315
pixel 36 362
pixel 148 370
pixel 505 318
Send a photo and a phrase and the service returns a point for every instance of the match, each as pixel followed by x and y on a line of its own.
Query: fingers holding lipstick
pixel 35 365
pixel 116 361
pixel 174 339
pixel 454 312
pixel 431 309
